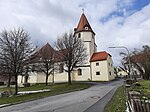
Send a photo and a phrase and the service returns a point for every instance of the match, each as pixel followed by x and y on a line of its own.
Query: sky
pixel 115 22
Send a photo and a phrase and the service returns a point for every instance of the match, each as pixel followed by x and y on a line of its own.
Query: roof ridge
pixel 99 56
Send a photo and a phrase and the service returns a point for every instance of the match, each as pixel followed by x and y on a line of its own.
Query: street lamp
pixel 128 57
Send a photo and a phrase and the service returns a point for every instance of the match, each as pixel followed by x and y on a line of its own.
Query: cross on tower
pixel 83 11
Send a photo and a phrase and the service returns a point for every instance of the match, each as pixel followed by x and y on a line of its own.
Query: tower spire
pixel 83 24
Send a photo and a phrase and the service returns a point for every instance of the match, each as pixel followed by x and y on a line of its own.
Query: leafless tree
pixel 43 61
pixel 140 58
pixel 125 62
pixel 72 51
pixel 15 48
pixel 5 70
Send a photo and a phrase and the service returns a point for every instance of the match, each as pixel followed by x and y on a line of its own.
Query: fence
pixel 135 103
pixel 141 106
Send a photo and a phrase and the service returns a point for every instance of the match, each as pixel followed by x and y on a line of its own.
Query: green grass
pixel 55 90
pixel 118 101
pixel 144 88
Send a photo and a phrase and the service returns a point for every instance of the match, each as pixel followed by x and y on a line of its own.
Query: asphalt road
pixel 90 100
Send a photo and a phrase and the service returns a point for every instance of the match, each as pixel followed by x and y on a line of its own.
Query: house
pixel 121 72
pixel 99 65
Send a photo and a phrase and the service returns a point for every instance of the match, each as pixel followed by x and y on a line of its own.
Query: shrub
pixel 1 83
pixel 12 83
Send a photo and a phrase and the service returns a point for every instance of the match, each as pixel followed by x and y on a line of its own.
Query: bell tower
pixel 86 33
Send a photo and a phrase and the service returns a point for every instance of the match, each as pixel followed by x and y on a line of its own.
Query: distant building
pixel 99 66
pixel 121 72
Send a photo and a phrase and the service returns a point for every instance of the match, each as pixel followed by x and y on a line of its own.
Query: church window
pixel 79 35
pixel 109 73
pixel 61 68
pixel 97 64
pixel 79 71
pixel 98 73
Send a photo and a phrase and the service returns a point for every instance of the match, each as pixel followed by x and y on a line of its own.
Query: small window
pixel 86 28
pixel 79 35
pixel 61 68
pixel 109 73
pixel 97 64
pixel 79 71
pixel 97 73
pixel 109 64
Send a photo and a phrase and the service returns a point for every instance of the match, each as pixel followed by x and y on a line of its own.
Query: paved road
pixel 86 100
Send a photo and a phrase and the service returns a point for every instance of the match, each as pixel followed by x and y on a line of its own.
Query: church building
pixel 99 66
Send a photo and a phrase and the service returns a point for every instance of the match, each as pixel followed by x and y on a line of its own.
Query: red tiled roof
pixel 98 56
pixel 46 51
pixel 59 56
pixel 82 24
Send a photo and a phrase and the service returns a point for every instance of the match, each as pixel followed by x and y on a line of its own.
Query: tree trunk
pixel 9 80
pixel 147 74
pixel 46 79
pixel 16 84
pixel 53 78
pixel 26 79
pixel 69 77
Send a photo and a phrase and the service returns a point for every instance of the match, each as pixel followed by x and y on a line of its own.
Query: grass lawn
pixel 55 90
pixel 118 101
pixel 144 88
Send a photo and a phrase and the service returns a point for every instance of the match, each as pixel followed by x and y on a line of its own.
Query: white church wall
pixel 87 52
pixel 88 40
pixel 20 79
pixel 32 77
pixel 61 77
pixel 85 75
pixel 86 36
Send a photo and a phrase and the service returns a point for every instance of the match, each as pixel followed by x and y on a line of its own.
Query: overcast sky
pixel 115 22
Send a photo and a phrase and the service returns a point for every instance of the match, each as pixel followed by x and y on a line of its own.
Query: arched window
pixel 61 68
pixel 79 71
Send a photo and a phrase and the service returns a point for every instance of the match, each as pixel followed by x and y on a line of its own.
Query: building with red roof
pixel 99 65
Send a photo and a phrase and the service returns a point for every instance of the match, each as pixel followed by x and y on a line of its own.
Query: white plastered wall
pixel 61 77
pixel 102 68
pixel 86 74
pixel 89 42
pixel 110 68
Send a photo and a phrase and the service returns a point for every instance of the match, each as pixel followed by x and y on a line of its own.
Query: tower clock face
pixel 86 28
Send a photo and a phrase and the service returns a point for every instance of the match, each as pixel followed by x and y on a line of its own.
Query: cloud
pixel 45 20
pixel 134 33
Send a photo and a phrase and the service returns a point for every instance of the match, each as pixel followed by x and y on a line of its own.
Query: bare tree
pixel 15 48
pixel 72 51
pixel 5 70
pixel 140 58
pixel 43 61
